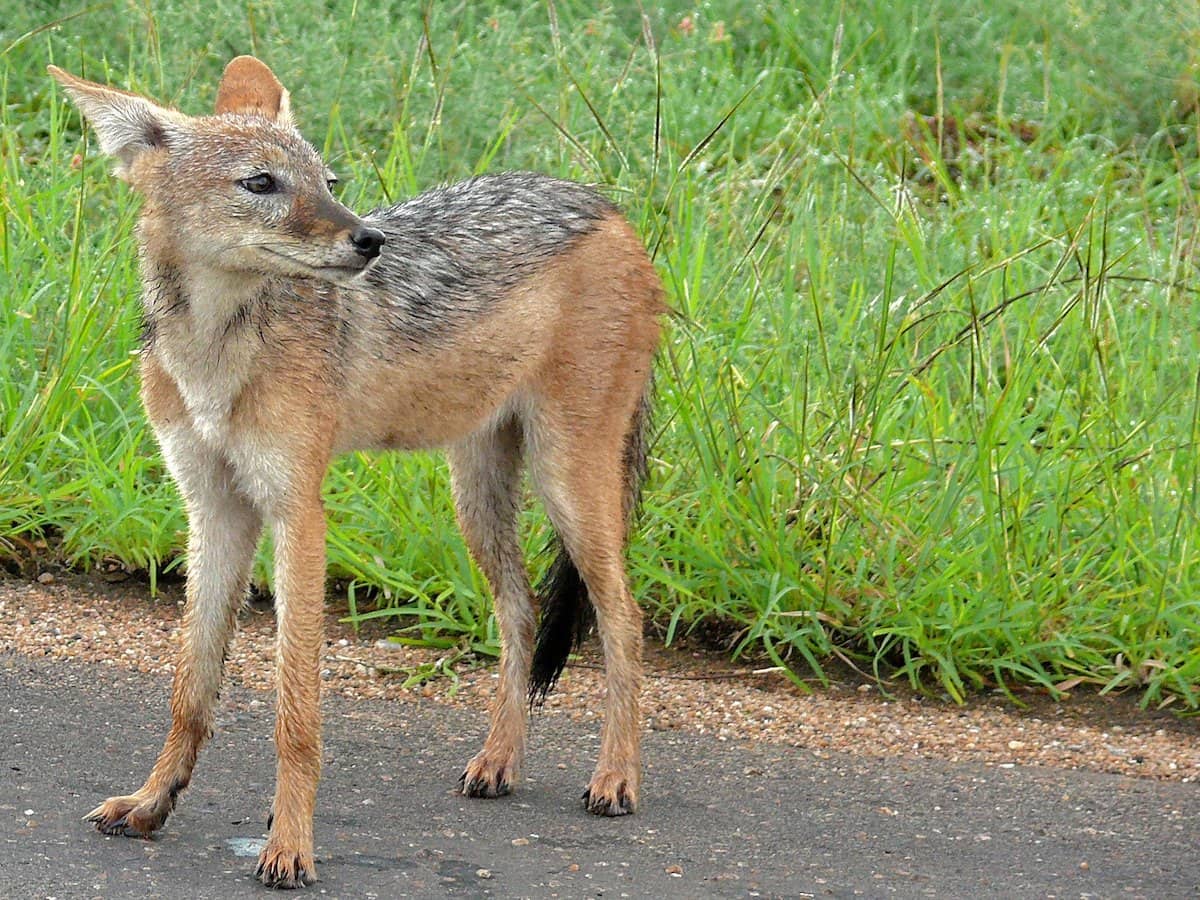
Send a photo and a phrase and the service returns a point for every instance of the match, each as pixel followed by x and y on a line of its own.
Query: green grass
pixel 931 400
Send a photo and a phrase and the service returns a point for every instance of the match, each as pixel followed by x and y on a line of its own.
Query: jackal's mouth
pixel 339 272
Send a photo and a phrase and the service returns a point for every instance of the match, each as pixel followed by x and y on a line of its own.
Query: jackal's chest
pixel 209 383
pixel 206 433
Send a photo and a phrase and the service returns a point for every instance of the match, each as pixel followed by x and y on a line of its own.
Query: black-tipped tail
pixel 567 617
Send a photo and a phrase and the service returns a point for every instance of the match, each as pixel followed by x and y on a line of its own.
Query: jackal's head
pixel 239 190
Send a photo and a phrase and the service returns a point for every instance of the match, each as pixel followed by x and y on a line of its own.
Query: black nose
pixel 367 241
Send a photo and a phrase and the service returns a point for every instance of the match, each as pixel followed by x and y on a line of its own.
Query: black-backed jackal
pixel 510 319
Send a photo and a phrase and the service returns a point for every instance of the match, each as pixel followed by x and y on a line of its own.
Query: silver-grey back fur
pixel 453 251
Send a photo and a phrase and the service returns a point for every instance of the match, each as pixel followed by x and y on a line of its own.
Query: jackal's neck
pixel 203 302
pixel 208 331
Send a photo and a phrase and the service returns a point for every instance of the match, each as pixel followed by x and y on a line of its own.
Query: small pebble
pixel 46 578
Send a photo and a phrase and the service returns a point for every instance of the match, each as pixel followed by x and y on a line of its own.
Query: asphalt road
pixel 718 819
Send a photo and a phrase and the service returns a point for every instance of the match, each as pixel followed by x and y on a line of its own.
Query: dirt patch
pixel 121 625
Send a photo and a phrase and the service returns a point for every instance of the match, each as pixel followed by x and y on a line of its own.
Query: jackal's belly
pixel 426 407
pixel 414 424
pixel 448 385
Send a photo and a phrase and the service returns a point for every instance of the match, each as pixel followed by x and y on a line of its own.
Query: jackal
pixel 510 319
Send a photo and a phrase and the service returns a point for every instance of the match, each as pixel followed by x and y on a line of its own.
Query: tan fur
pixel 249 426
pixel 249 87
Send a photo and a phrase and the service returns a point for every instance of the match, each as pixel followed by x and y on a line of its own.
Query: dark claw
pixel 117 827
pixel 599 806
pixel 272 877
pixel 484 787
pixel 120 826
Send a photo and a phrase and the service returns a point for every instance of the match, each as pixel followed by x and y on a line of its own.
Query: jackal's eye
pixel 262 183
pixel 331 182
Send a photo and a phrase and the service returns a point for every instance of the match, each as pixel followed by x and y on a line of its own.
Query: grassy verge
pixel 931 399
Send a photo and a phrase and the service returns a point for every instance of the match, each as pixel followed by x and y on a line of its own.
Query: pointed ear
pixel 128 125
pixel 250 88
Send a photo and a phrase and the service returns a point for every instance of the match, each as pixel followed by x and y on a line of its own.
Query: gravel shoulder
pixel 121 626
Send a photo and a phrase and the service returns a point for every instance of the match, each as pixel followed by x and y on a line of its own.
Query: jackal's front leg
pixel 223 533
pixel 287 859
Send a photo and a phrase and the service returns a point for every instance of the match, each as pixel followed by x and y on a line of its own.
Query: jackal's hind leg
pixel 583 487
pixel 486 471
pixel 223 532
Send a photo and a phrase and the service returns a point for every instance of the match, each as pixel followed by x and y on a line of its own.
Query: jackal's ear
pixel 128 125
pixel 250 88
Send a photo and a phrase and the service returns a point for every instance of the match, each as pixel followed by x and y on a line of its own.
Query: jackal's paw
pixel 610 794
pixel 284 867
pixel 489 775
pixel 132 816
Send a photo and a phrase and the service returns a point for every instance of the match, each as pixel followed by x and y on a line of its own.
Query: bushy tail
pixel 567 613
